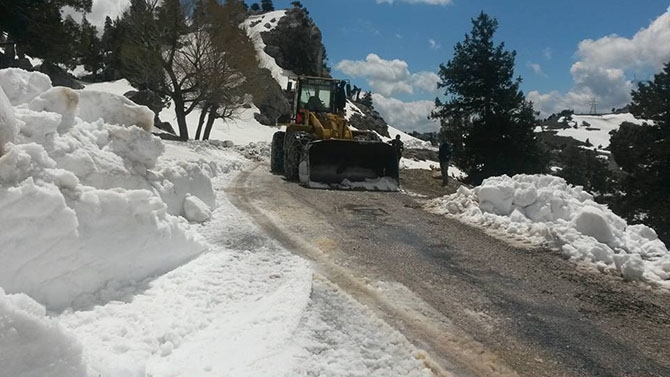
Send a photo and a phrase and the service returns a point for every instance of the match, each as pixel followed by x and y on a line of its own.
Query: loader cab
pixel 316 95
pixel 313 94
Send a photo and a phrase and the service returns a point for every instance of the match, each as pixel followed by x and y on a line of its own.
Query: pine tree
pixel 255 7
pixel 38 29
pixel 643 153
pixel 90 47
pixel 267 6
pixel 486 117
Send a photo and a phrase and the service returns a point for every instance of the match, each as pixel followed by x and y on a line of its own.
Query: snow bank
pixel 33 345
pixel 59 100
pixel 544 209
pixel 22 86
pixel 83 206
pixel 8 125
pixel 114 109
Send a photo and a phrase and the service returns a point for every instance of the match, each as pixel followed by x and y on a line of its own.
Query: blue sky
pixel 545 34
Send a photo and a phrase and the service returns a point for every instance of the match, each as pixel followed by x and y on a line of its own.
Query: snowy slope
pixel 255 25
pixel 600 127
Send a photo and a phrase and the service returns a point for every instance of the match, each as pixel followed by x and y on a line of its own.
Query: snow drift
pixel 544 209
pixel 33 345
pixel 83 205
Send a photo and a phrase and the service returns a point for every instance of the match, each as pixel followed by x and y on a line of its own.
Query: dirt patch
pixel 427 183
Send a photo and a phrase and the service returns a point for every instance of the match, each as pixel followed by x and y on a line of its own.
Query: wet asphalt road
pixel 476 305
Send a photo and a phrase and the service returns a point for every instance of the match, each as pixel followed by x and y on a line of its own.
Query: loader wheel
pixel 294 147
pixel 277 152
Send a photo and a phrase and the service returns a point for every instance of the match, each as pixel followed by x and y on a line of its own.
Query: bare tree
pixel 194 60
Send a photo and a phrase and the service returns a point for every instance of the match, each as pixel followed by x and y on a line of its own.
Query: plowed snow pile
pixel 83 209
pixel 546 210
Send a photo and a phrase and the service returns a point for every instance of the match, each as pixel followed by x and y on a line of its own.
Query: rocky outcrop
pixel 268 97
pixel 369 120
pixel 296 45
pixel 59 76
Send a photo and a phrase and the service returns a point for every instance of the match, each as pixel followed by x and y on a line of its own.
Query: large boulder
pixel 296 45
pixel 59 76
pixel 268 97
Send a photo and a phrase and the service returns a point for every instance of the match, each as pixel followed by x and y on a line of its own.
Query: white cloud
pixel 99 10
pixel 430 2
pixel 604 65
pixel 537 69
pixel 389 77
pixel 407 116
pixel 433 45
pixel 547 53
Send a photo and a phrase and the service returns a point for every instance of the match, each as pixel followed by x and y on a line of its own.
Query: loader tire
pixel 294 148
pixel 277 152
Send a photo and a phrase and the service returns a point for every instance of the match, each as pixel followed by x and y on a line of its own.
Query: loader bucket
pixel 350 164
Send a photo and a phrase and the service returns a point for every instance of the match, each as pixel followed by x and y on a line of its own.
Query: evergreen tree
pixel 267 6
pixel 255 7
pixel 38 29
pixel 643 153
pixel 90 47
pixel 486 117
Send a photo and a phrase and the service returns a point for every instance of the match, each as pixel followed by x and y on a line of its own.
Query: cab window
pixel 315 97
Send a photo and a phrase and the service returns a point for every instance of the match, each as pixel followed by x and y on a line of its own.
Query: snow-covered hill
pixel 594 128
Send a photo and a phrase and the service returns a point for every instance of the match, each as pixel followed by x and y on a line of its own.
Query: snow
pixel 350 109
pixel 254 26
pixel 545 210
pixel 195 210
pixel 8 124
pixel 32 344
pixel 59 100
pixel 105 277
pixel 79 203
pixel 410 142
pixel 243 129
pixel 601 126
pixel 118 87
pixel 22 86
pixel 113 109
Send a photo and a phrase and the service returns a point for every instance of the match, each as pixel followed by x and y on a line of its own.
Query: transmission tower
pixel 594 109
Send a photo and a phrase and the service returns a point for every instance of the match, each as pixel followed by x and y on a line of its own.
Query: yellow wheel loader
pixel 321 150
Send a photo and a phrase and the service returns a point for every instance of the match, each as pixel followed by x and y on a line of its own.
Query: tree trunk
pixel 201 121
pixel 181 116
pixel 210 121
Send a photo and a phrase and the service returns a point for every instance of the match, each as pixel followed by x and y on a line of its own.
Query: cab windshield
pixel 316 97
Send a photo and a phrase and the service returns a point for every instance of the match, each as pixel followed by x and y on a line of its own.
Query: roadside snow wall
pixel 544 209
pixel 82 206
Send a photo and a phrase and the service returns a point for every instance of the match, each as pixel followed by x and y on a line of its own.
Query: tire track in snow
pixel 450 351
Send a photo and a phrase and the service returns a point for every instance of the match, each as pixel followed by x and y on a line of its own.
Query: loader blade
pixel 350 164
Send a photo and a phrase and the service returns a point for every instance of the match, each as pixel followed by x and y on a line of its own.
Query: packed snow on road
pixel 545 210
pixel 122 256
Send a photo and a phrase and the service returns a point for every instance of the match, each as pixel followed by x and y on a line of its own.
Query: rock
pixel 267 26
pixel 59 76
pixel 267 96
pixel 296 44
pixel 371 120
pixel 165 126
